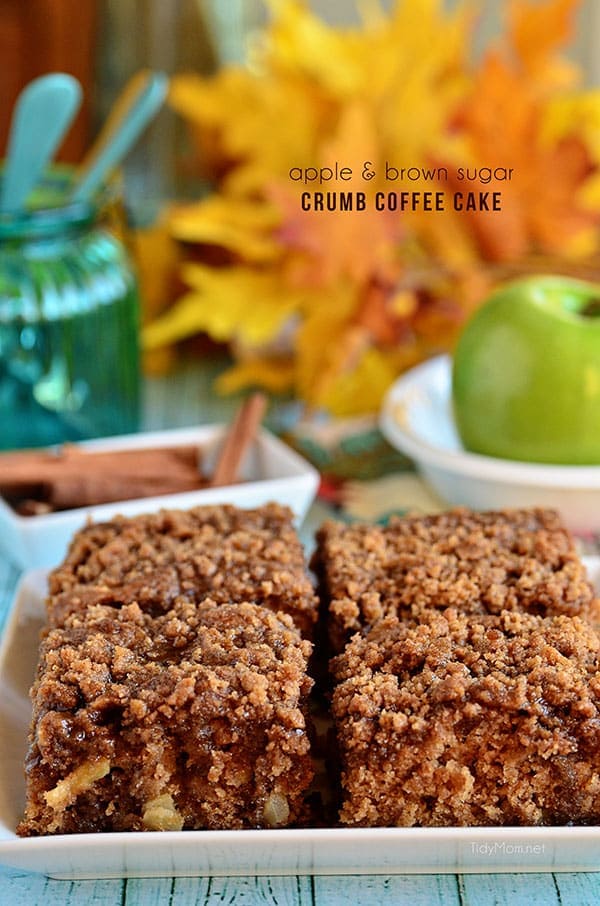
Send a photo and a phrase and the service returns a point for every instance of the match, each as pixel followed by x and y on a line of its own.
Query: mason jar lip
pixel 57 214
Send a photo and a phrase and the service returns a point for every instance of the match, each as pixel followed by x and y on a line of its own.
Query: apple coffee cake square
pixel 519 560
pixel 469 720
pixel 191 718
pixel 222 552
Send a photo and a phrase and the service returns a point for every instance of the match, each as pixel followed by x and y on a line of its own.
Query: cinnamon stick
pixel 72 491
pixel 40 480
pixel 238 440
pixel 74 477
pixel 32 468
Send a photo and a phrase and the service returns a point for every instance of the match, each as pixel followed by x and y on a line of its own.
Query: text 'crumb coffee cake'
pixel 172 685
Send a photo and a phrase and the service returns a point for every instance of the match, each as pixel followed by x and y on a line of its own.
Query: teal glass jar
pixel 69 332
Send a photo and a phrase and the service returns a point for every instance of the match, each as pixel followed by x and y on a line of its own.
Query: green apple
pixel 526 373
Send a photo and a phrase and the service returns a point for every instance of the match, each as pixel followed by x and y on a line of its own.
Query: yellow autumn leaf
pixel 157 258
pixel 322 339
pixel 360 390
pixel 273 374
pixel 300 43
pixel 421 86
pixel 239 112
pixel 240 226
pixel 228 303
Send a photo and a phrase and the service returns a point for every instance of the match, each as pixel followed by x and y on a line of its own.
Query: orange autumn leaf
pixel 505 118
pixel 383 316
pixel 499 119
pixel 537 32
pixel 564 169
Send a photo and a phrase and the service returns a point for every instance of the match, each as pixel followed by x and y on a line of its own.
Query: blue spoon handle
pixel 143 110
pixel 43 113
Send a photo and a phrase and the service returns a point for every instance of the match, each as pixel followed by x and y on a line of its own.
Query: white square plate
pixel 246 852
pixel 271 471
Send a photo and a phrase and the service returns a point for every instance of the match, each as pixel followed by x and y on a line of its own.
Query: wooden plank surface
pixel 18 889
pixel 416 890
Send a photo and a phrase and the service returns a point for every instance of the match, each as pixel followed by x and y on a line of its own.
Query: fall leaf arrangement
pixel 331 306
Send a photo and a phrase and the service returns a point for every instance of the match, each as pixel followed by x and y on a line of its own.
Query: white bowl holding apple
pixel 514 420
pixel 417 418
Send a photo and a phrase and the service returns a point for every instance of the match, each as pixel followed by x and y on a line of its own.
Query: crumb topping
pixel 522 560
pixel 222 552
pixel 470 721
pixel 172 688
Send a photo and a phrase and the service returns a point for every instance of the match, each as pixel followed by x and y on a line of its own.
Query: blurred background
pixel 104 42
pixel 240 287
pixel 341 304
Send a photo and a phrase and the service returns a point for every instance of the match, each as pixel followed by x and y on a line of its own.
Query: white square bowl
pixel 271 471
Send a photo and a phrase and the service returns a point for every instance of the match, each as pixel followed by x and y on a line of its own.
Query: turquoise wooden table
pixel 185 400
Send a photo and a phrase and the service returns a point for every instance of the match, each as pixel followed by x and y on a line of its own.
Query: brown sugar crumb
pixel 194 718
pixel 470 721
pixel 521 560
pixel 223 552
